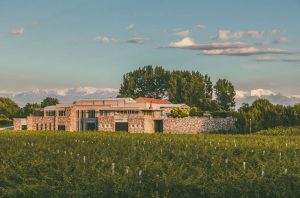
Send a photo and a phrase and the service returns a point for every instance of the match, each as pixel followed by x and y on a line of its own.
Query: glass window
pixel 61 113
pixel 91 114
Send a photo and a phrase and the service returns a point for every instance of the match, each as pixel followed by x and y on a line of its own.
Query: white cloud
pixel 18 31
pixel 185 42
pixel 227 34
pixel 200 26
pixel 130 26
pixel 105 39
pixel 136 40
pixel 241 94
pixel 247 51
pixel 188 43
pixel 183 33
pixel 272 59
pixel 261 92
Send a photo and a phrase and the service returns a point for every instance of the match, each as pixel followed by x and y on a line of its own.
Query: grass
pixel 95 164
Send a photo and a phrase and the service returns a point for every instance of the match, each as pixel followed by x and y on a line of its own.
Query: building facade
pixel 143 115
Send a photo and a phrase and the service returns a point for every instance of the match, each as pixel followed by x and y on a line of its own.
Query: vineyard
pixel 90 164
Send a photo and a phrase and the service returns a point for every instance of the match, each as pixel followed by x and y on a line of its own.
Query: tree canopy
pixel 189 87
pixel 49 101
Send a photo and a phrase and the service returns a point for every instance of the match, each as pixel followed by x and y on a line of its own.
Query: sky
pixel 55 44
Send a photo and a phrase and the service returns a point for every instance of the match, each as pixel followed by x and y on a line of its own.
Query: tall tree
pixel 145 82
pixel 49 101
pixel 225 94
pixel 208 87
pixel 29 108
pixel 8 107
pixel 186 87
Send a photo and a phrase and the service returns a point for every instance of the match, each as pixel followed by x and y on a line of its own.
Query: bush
pixel 179 112
pixel 194 112
pixel 5 121
pixel 222 114
pixel 281 131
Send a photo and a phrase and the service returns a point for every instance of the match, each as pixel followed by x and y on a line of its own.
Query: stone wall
pixel 106 123
pixel 194 125
pixel 40 123
pixel 140 124
pixel 19 122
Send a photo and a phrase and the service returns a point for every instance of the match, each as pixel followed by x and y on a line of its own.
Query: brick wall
pixel 194 125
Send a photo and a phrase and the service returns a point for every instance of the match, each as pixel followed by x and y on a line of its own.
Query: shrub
pixel 179 112
pixel 281 131
pixel 222 114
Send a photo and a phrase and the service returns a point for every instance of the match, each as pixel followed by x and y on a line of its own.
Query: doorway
pixel 122 126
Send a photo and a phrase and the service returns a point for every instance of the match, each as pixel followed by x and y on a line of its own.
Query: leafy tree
pixel 208 104
pixel 186 87
pixel 208 87
pixel 8 107
pixel 29 108
pixel 225 94
pixel 49 101
pixel 145 82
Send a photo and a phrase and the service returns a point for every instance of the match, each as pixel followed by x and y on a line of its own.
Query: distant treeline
pixel 9 108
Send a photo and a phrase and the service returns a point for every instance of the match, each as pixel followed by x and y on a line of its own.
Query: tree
pixel 225 94
pixel 49 102
pixel 186 87
pixel 29 108
pixel 145 82
pixel 8 107
pixel 208 87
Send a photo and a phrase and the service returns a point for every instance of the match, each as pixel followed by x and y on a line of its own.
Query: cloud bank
pixel 227 34
pixel 272 59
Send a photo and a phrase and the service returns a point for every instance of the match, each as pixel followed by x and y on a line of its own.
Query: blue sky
pixel 62 44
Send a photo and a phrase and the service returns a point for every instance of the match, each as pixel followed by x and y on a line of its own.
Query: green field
pixel 93 164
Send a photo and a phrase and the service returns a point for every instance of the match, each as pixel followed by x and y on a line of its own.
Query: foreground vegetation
pixel 89 164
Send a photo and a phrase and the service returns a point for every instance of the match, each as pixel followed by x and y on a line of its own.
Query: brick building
pixel 111 114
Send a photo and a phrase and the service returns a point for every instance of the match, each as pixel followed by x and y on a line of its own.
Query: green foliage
pixel 49 101
pixel 207 104
pixel 188 87
pixel 264 115
pixel 8 107
pixel 222 114
pixel 225 94
pixel 145 82
pixel 29 108
pixel 195 112
pixel 4 120
pixel 89 164
pixel 178 112
pixel 281 131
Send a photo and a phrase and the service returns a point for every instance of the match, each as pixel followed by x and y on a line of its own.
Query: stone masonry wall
pixel 106 123
pixel 195 125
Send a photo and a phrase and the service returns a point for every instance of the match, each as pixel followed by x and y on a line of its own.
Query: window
pixel 61 113
pixel 91 114
pixel 45 126
pixel 104 112
pixel 41 127
pixel 37 127
pixel 50 113
pixel 50 126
